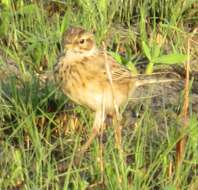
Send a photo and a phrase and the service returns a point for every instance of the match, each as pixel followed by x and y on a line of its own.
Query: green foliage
pixel 170 187
pixel 35 152
pixel 154 57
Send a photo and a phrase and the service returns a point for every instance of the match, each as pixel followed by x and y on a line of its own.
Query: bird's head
pixel 77 41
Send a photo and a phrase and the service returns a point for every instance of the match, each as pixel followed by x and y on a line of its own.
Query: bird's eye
pixel 82 41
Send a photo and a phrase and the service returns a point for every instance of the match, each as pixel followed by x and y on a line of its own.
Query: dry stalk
pixel 170 169
pixel 180 146
pixel 118 117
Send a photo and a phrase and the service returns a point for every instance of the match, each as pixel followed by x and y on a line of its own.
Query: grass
pixel 40 129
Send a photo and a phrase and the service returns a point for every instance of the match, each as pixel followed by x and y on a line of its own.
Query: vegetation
pixel 41 130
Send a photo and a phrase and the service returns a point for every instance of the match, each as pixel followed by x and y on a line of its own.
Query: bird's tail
pixel 153 81
pixel 156 78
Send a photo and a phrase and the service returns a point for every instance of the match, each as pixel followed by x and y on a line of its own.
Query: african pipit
pixel 91 77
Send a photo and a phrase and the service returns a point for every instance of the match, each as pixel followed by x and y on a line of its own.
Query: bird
pixel 91 77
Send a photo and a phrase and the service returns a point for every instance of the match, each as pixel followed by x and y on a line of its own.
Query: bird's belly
pixel 96 98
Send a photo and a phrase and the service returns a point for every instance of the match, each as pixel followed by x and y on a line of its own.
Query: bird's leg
pixel 98 122
pixel 118 130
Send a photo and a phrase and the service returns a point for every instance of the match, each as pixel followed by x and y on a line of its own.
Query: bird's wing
pixel 119 72
pixel 98 66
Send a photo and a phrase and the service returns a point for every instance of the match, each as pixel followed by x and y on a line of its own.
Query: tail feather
pixel 154 81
